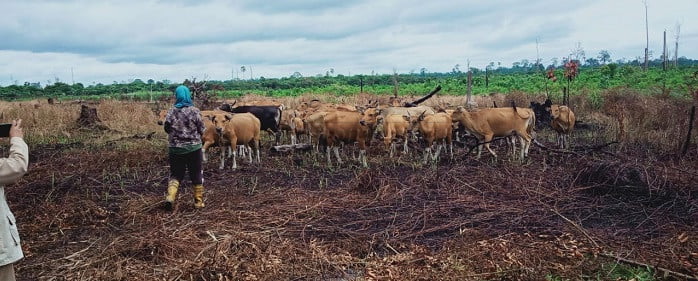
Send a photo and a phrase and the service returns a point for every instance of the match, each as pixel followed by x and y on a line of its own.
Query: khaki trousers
pixel 7 272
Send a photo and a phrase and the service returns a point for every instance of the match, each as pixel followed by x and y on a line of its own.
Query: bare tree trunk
pixel 664 54
pixel 396 87
pixel 676 48
pixel 647 35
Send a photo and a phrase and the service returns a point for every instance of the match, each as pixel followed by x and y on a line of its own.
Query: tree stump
pixel 88 118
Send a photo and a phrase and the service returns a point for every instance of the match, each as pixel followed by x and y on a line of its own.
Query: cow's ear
pixel 360 109
pixel 407 118
pixel 228 117
pixel 211 117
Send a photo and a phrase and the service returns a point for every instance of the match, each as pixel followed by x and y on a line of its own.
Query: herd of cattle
pixel 328 126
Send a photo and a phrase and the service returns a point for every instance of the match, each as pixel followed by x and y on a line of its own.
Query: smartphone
pixel 5 130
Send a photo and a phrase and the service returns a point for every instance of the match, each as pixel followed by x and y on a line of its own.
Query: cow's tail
pixel 513 105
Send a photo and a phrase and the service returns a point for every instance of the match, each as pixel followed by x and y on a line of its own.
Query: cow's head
pixel 219 120
pixel 162 115
pixel 227 106
pixel 369 117
pixel 555 110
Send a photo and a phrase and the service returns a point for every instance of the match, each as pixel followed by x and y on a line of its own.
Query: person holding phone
pixel 11 169
pixel 184 126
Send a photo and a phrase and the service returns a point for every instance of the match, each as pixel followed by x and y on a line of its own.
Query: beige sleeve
pixel 14 166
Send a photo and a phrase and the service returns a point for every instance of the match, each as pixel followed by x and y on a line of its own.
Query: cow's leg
pixel 329 157
pixel 438 152
pixel 450 148
pixel 405 148
pixel 488 139
pixel 222 165
pixel 293 138
pixel 233 144
pixel 336 153
pixel 427 153
pixel 204 148
pixel 362 156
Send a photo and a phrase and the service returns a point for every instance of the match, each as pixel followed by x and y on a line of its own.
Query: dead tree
pixel 424 98
pixel 89 119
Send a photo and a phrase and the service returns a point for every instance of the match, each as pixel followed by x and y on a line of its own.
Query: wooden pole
pixel 687 143
pixel 647 35
pixel 361 83
pixel 664 54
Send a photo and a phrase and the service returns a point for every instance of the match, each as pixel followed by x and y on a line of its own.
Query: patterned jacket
pixel 184 126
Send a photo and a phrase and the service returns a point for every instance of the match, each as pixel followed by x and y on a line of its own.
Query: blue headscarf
pixel 183 97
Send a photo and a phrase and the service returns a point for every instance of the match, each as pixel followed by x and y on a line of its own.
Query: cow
pixel 299 128
pixel 349 127
pixel 396 126
pixel 542 111
pixel 237 129
pixel 316 106
pixel 287 123
pixel 498 122
pixel 562 122
pixel 315 125
pixel 269 116
pixel 434 127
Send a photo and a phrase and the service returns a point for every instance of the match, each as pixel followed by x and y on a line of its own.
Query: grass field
pixel 90 207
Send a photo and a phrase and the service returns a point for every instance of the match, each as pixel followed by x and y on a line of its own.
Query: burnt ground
pixel 94 212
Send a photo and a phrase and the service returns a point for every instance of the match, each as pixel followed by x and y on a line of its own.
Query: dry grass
pixel 90 209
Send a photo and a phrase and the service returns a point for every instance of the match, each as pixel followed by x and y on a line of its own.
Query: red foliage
pixel 571 69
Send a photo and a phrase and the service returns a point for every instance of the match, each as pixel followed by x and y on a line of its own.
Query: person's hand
pixel 16 129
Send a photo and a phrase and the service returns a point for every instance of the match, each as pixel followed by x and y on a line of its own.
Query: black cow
pixel 542 111
pixel 269 116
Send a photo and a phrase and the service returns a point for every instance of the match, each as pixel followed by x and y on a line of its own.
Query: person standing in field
pixel 11 169
pixel 184 127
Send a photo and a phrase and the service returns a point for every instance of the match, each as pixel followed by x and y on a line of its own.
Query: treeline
pixel 522 76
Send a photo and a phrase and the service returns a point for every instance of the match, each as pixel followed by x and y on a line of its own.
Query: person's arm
pixel 199 121
pixel 15 166
pixel 168 122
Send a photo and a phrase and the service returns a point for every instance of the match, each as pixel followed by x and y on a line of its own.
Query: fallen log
pixel 424 98
pixel 287 148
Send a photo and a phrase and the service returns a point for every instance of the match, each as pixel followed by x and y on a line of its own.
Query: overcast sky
pixel 106 41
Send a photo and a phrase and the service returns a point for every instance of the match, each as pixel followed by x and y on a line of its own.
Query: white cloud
pixel 107 41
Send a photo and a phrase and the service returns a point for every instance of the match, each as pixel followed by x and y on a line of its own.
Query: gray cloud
pixel 116 39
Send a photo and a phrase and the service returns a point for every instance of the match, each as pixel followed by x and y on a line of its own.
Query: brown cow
pixel 237 129
pixel 396 126
pixel 498 122
pixel 349 126
pixel 435 127
pixel 563 123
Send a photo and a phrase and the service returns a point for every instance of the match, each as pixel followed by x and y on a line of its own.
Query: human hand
pixel 16 129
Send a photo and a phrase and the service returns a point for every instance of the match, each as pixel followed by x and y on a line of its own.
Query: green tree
pixel 604 57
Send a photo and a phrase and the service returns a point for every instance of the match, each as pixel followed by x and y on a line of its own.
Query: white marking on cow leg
pixel 438 152
pixel 427 153
pixel 405 148
pixel 362 156
pixel 336 153
pixel 249 149
pixel 222 165
pixel 235 157
pixel 523 148
pixel 203 150
pixel 293 138
pixel 257 149
pixel 450 147
pixel 479 151
pixel 392 149
pixel 329 156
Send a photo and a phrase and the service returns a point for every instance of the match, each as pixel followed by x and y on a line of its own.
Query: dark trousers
pixel 192 161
